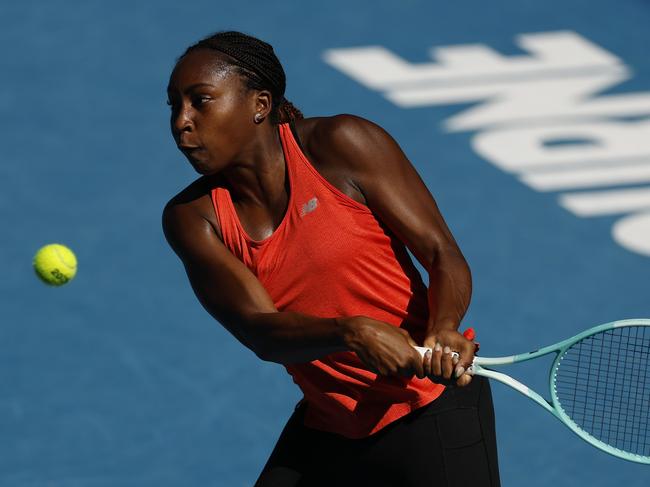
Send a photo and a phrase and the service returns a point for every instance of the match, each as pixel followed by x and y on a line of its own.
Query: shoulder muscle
pixel 389 182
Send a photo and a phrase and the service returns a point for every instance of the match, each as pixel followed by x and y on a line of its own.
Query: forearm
pixel 286 337
pixel 450 290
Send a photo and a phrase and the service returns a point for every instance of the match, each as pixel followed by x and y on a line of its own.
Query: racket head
pixel 600 387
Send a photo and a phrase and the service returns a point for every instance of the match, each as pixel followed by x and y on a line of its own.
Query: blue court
pixel 529 122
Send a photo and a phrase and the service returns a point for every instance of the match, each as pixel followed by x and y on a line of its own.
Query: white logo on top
pixel 310 206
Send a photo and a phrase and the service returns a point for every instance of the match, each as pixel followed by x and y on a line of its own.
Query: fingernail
pixel 438 347
pixel 454 360
pixel 460 370
pixel 447 350
pixel 427 354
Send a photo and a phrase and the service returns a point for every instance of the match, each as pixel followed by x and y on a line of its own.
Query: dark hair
pixel 256 62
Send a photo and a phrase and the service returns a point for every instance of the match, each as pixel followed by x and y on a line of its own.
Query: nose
pixel 181 121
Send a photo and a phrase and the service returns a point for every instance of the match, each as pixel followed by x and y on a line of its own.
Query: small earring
pixel 258 118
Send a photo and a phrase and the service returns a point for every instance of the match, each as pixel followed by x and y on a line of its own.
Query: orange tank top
pixel 330 257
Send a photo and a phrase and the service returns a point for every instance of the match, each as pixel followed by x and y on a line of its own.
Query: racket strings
pixel 602 384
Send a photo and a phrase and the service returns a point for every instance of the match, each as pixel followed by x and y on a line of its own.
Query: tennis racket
pixel 599 385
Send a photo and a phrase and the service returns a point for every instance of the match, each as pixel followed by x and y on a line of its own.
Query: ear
pixel 263 104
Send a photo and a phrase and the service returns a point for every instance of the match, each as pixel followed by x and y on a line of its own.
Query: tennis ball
pixel 55 264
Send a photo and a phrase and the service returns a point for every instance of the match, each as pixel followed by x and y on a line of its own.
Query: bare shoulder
pixel 190 209
pixel 344 149
pixel 339 136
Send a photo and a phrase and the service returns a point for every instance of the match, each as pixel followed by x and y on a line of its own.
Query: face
pixel 211 111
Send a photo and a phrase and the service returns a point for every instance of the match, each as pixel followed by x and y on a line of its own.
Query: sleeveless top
pixel 330 257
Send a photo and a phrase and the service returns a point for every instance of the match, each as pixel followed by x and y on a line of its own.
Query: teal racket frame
pixel 482 366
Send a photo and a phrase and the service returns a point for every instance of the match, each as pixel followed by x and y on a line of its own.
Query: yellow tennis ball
pixel 55 264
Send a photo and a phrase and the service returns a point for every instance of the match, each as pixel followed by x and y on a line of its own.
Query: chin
pixel 202 168
pixel 205 171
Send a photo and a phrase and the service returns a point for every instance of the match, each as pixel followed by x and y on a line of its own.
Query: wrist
pixel 443 325
pixel 345 331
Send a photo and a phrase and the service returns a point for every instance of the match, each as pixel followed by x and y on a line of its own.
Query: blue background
pixel 120 378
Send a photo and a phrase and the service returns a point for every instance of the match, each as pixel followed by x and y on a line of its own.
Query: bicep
pixel 226 288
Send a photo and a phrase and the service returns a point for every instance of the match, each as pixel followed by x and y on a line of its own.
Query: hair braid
pixel 287 112
pixel 257 63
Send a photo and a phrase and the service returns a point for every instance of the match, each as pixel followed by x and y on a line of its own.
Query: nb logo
pixel 308 207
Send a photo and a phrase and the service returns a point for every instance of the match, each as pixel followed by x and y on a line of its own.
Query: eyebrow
pixel 192 87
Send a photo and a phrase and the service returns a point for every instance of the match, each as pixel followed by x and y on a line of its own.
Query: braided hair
pixel 256 62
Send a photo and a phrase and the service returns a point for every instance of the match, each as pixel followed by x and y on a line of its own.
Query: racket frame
pixel 482 366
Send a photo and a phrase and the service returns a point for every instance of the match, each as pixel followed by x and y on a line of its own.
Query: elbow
pixel 267 351
pixel 254 340
pixel 268 354
pixel 258 346
pixel 262 353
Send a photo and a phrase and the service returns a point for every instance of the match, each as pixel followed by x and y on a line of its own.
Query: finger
pixel 466 357
pixel 418 364
pixel 426 362
pixel 430 343
pixel 464 380
pixel 424 354
pixel 446 362
pixel 417 360
pixel 436 366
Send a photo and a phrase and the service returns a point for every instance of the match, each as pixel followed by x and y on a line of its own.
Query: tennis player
pixel 295 239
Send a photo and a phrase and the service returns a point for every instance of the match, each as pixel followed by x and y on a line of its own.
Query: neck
pixel 257 175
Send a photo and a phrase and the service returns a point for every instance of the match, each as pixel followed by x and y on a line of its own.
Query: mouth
pixel 188 149
pixel 192 152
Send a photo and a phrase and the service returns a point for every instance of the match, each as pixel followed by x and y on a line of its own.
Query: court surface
pixel 528 121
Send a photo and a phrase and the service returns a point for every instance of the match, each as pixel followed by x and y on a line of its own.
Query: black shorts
pixel 450 442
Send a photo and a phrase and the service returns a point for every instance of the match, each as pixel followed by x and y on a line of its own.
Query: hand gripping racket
pixel 599 385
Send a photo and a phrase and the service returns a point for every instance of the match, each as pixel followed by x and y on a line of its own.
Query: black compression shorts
pixel 450 442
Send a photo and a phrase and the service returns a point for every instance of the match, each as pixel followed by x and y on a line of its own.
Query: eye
pixel 199 100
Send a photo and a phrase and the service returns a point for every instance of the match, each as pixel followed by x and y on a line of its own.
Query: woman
pixel 294 238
